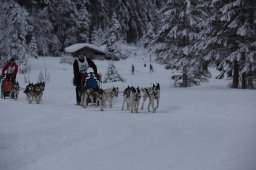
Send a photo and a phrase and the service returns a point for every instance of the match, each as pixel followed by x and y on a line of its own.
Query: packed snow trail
pixel 210 127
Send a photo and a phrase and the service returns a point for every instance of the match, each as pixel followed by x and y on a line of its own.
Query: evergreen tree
pixel 113 32
pixel 16 28
pixel 176 39
pixel 33 47
pixel 232 36
pixel 98 37
pixel 147 38
pixel 43 31
pixel 112 74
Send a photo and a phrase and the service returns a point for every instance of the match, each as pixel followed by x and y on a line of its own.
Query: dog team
pixel 131 97
pixel 34 92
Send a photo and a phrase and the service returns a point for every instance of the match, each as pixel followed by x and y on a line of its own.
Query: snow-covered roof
pixel 76 47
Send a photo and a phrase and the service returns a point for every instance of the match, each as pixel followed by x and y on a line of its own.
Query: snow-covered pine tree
pixel 112 36
pixel 112 74
pixel 232 39
pixel 43 30
pixel 33 47
pixel 176 39
pixel 113 32
pixel 147 38
pixel 16 29
pixel 71 21
pixel 83 20
pixel 98 36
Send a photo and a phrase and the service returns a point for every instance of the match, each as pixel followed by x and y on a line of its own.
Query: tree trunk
pixel 185 77
pixel 236 75
pixel 250 80
pixel 244 81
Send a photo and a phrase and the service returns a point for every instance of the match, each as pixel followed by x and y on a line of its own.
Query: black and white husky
pixel 153 94
pixel 126 96
pixel 34 92
pixel 100 98
pixel 84 95
pixel 15 90
pixel 131 99
pixel 110 94
pixel 38 93
pixel 29 91
pixel 88 95
pixel 134 99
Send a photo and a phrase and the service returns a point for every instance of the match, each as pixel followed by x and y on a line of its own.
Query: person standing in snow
pixel 80 67
pixel 11 70
pixel 132 71
pixel 151 68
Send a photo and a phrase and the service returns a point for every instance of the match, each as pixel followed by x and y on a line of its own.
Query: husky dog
pixel 126 96
pixel 131 99
pixel 134 99
pixel 38 93
pixel 15 90
pixel 100 98
pixel 110 94
pixel 84 94
pixel 152 93
pixel 29 91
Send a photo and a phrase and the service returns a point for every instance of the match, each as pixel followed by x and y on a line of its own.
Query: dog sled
pixel 90 88
pixel 6 87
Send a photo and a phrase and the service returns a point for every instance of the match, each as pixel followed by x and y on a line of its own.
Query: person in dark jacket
pixel 80 67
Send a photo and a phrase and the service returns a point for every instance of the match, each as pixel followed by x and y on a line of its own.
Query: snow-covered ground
pixel 210 127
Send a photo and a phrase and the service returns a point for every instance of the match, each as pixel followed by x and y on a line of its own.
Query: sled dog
pixel 110 94
pixel 126 96
pixel 38 93
pixel 100 98
pixel 153 94
pixel 131 97
pixel 15 90
pixel 134 99
pixel 84 94
pixel 29 91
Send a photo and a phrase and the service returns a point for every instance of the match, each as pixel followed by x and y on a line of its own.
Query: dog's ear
pixel 158 86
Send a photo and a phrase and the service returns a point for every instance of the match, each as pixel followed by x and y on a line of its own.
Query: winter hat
pixel 12 59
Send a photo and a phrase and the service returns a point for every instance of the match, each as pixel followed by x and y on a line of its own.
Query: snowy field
pixel 210 127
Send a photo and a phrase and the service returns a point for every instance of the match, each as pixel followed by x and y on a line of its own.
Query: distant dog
pixel 110 94
pixel 15 90
pixel 38 93
pixel 34 92
pixel 153 94
pixel 29 91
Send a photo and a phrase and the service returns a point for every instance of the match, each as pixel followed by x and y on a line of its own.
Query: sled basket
pixel 6 86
